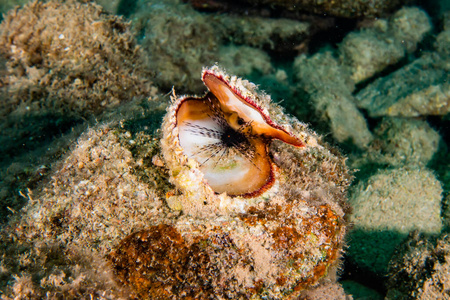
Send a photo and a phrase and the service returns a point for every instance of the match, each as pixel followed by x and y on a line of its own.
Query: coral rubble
pixel 262 33
pixel 384 43
pixel 401 141
pixel 179 41
pixel 419 88
pixel 199 39
pixel 329 78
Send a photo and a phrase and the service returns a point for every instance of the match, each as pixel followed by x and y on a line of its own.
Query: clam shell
pixel 278 240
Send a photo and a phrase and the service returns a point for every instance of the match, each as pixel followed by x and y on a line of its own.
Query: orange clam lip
pixel 229 137
pixel 225 93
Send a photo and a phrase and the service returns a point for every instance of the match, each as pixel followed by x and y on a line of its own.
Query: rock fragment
pixel 387 207
pixel 420 88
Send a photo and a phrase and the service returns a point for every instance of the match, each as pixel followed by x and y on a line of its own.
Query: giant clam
pixel 259 204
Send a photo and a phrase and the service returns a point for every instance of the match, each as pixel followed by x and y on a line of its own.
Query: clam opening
pixel 229 138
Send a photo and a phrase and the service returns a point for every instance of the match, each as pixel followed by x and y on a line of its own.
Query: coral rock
pixel 387 207
pixel 400 141
pixel 70 58
pixel 330 87
pixel 418 89
pixel 383 43
pixel 420 269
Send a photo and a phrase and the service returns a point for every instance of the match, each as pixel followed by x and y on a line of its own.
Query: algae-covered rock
pixel 369 51
pixel 264 33
pixel 419 270
pixel 118 197
pixel 72 222
pixel 244 60
pixel 178 40
pixel 69 58
pixel 442 43
pixel 410 198
pixel 399 141
pixel 38 270
pixel 61 63
pixel 418 89
pixel 387 207
pixel 330 87
pixel 409 25
pixel 384 43
pixel 329 78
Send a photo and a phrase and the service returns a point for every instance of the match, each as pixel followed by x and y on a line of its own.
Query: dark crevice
pixel 127 7
pixel 331 36
pixel 385 72
pixel 363 276
pixel 442 125
pixel 372 123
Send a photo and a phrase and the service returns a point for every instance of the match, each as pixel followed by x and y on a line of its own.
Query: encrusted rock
pixel 330 87
pixel 401 141
pixel 420 269
pixel 178 40
pixel 384 43
pixel 387 207
pixel 418 89
pixel 69 58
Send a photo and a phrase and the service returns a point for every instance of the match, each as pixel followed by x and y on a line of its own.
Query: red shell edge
pixel 250 102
